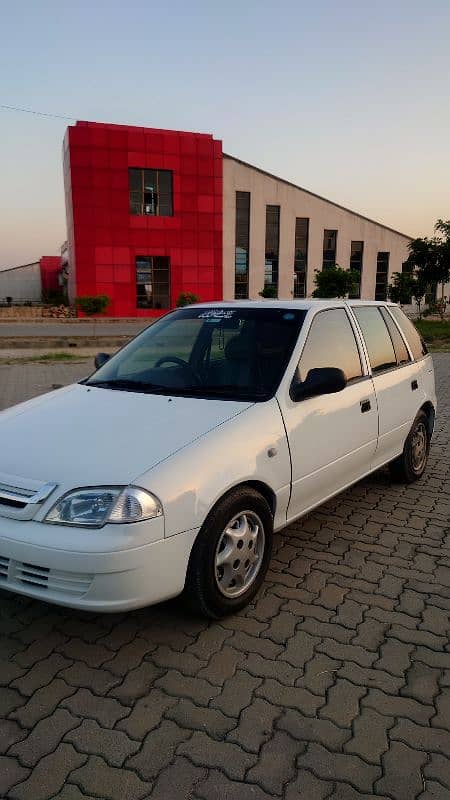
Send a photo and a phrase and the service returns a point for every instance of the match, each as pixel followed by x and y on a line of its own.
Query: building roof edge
pixel 318 196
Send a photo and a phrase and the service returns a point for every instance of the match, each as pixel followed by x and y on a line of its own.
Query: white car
pixel 169 468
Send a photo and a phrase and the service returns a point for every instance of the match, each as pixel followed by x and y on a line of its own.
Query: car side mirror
pixel 100 359
pixel 323 380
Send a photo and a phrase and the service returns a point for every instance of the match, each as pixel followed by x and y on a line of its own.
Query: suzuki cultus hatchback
pixel 169 468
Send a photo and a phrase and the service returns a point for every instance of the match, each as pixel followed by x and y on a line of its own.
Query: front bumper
pixel 106 581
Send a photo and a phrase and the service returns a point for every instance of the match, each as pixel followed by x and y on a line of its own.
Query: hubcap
pixel 419 443
pixel 239 554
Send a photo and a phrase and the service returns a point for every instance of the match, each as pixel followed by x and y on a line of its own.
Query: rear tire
pixel 231 554
pixel 411 464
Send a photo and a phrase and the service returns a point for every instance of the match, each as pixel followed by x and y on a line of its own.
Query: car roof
pixel 304 304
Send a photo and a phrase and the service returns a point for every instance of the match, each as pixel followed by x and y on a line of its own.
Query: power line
pixel 37 113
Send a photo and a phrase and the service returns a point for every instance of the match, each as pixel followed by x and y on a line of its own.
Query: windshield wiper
pixel 130 386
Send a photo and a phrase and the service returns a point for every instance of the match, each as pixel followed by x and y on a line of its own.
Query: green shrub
pixel 269 292
pixel 186 299
pixel 92 304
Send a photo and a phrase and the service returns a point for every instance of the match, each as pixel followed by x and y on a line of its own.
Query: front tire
pixel 231 554
pixel 411 464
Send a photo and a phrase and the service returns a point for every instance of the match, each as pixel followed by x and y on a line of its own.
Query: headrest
pixel 237 348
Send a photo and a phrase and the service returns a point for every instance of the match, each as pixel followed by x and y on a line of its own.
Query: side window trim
pixel 399 363
pixel 411 354
pixel 394 366
pixel 361 353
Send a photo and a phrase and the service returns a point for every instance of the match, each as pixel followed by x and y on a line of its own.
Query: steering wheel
pixel 182 363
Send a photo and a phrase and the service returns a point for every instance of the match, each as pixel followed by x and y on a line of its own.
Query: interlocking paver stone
pixel 334 684
pixel 100 780
pixel 49 774
pixel 402 772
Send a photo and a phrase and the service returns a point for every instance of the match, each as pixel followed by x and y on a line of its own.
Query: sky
pixel 348 99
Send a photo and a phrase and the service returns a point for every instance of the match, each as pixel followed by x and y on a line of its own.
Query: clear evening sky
pixel 348 99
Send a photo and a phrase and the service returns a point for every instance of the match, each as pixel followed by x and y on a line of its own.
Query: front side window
pixel 272 249
pixel 150 192
pixel 226 353
pixel 376 336
pixel 381 280
pixel 329 249
pixel 331 343
pixel 410 332
pixel 152 282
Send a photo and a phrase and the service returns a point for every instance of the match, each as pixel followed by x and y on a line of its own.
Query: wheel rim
pixel 239 554
pixel 419 447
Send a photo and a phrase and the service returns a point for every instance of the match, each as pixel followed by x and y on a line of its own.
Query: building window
pixel 329 249
pixel 272 248
pixel 242 243
pixel 381 281
pixel 152 282
pixel 356 264
pixel 301 256
pixel 150 192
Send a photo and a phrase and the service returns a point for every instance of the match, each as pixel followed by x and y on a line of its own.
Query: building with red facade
pixel 144 215
pixel 153 213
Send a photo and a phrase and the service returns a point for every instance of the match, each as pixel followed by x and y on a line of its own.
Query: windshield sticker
pixel 217 314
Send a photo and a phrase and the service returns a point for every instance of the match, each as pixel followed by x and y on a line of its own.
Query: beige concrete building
pixel 276 234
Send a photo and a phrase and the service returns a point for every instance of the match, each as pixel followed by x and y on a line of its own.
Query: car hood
pixel 86 436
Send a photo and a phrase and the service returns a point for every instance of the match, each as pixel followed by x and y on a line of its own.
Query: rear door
pixel 333 437
pixel 395 378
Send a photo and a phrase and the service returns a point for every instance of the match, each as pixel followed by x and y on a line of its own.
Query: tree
pixel 431 258
pixel 186 299
pixel 335 282
pixel 401 288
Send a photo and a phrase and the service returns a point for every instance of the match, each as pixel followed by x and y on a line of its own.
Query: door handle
pixel 414 385
pixel 365 406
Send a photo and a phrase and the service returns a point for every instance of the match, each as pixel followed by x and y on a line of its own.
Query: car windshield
pixel 221 352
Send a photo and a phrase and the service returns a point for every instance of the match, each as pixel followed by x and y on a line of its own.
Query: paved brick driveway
pixel 335 684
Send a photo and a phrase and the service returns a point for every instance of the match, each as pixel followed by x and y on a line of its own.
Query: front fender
pixel 190 482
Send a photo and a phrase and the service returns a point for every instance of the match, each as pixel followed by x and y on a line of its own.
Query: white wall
pixel 294 202
pixel 21 283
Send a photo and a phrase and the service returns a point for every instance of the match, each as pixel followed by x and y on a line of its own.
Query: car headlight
pixel 94 507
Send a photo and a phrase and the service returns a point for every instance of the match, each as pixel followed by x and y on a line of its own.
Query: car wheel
pixel 410 466
pixel 231 554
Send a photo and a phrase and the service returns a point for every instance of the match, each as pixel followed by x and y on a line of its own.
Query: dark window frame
pixel 242 242
pixel 358 267
pixel 138 204
pixel 301 245
pixel 272 247
pixel 382 275
pixel 329 253
pixel 151 268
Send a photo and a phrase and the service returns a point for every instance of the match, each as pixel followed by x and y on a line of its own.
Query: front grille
pixel 43 579
pixel 4 564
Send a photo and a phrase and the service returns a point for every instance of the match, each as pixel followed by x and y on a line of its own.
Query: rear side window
pixel 401 351
pixel 378 342
pixel 410 332
pixel 331 343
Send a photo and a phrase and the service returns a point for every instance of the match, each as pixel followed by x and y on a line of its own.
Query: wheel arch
pixel 430 413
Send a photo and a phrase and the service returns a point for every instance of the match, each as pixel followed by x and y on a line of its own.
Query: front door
pixel 332 437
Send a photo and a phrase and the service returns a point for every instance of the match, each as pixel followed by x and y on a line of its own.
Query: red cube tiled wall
pixel 104 239
pixel 50 267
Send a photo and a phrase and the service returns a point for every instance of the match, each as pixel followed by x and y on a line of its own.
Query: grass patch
pixel 44 358
pixel 436 334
